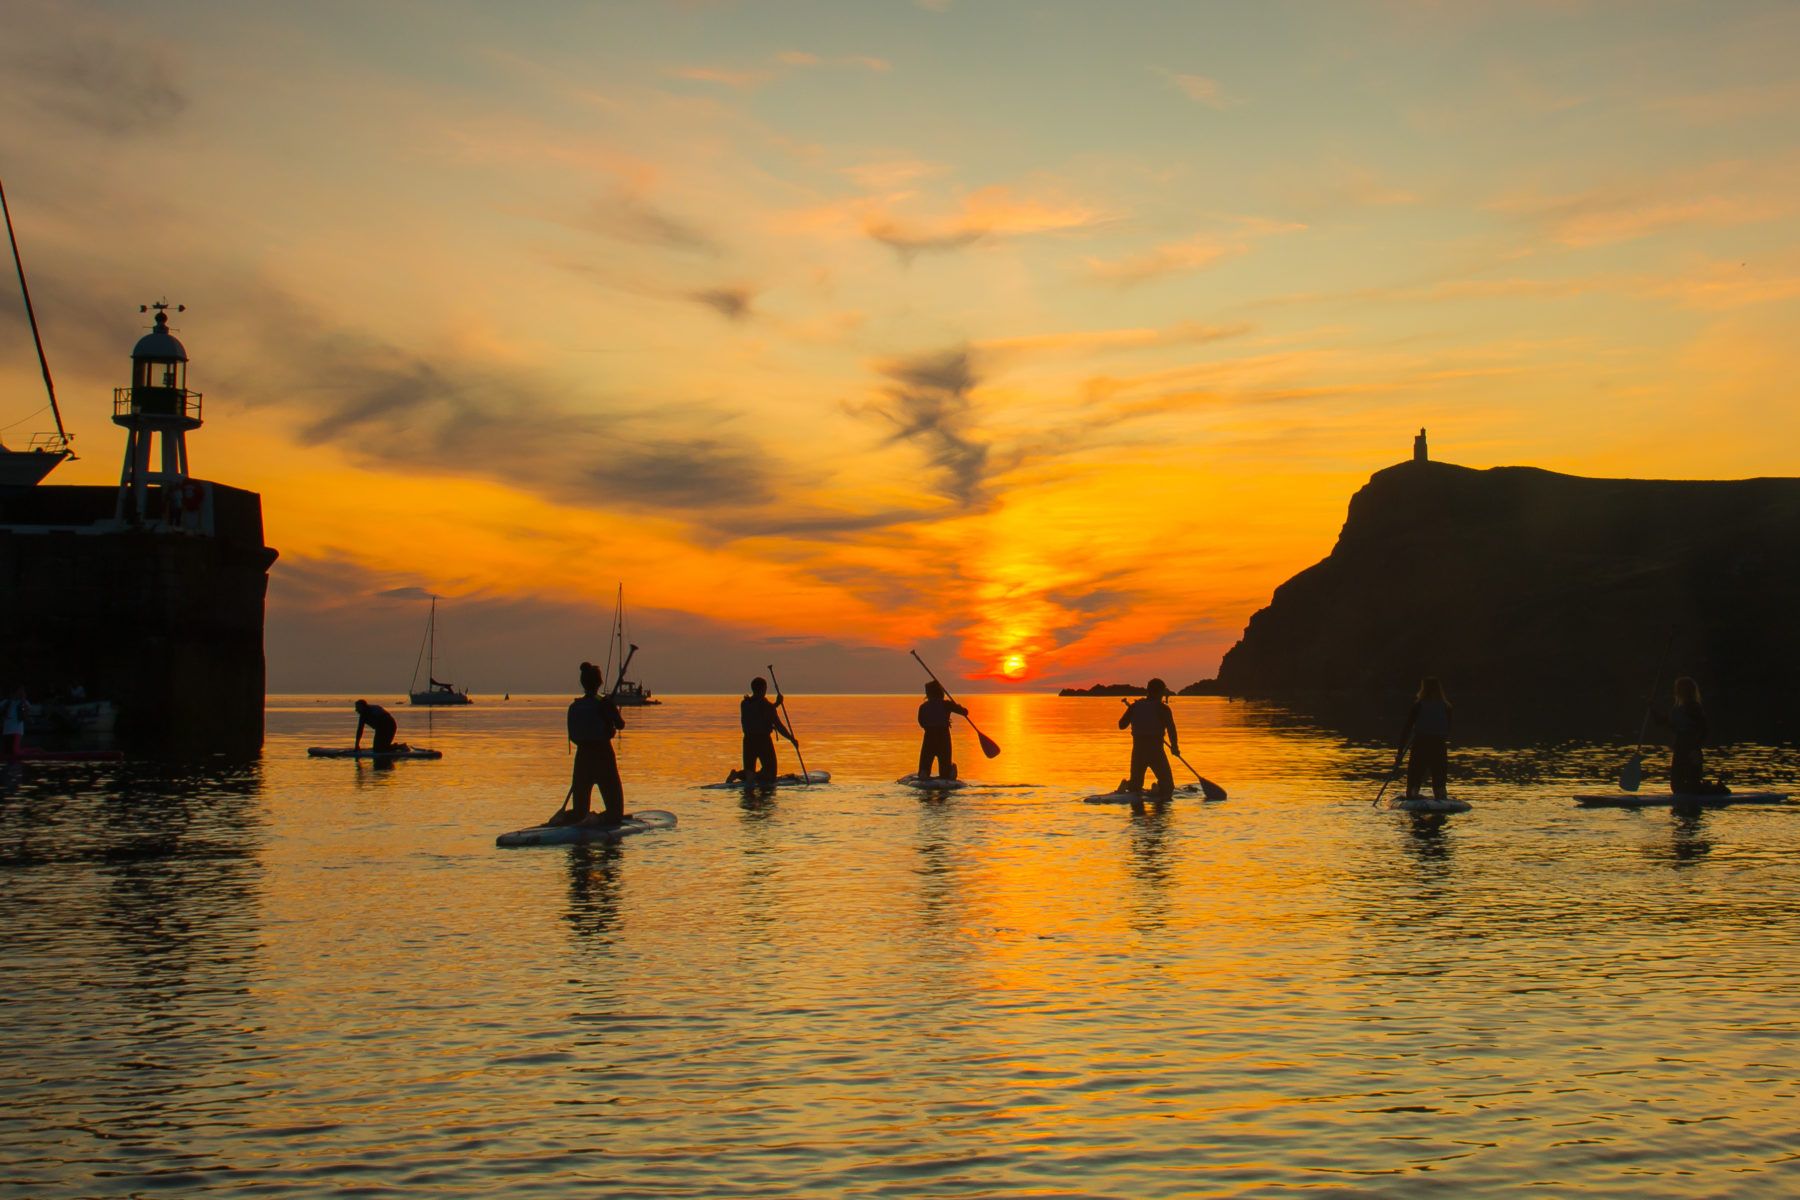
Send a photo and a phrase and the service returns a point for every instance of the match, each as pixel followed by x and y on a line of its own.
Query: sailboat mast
pixel 31 316
pixel 431 654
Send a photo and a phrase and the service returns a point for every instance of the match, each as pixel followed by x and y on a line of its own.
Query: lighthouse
pixel 158 405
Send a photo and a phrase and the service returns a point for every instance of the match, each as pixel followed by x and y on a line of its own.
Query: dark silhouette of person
pixel 1428 726
pixel 1149 719
pixel 593 721
pixel 1687 765
pixel 761 721
pixel 934 719
pixel 381 725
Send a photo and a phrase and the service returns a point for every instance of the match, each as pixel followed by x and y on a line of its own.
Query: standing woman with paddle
pixel 1149 719
pixel 1428 726
pixel 1687 764
pixel 760 719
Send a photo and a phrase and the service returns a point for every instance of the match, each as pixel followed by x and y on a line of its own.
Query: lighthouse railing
pixel 156 402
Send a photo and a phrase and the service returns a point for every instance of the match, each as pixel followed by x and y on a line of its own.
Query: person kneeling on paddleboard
pixel 593 720
pixel 934 719
pixel 1428 725
pixel 761 720
pixel 381 725
pixel 1149 719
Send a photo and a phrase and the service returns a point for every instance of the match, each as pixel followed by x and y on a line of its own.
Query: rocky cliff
pixel 1542 591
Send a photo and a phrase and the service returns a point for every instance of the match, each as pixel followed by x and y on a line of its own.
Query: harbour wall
pixel 165 622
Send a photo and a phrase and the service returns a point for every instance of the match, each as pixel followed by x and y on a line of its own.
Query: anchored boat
pixel 435 693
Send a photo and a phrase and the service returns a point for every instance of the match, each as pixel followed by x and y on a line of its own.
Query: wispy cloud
pixel 78 68
pixel 1189 254
pixel 928 403
pixel 1717 196
pixel 733 303
pixel 1201 89
pixel 800 58
pixel 995 211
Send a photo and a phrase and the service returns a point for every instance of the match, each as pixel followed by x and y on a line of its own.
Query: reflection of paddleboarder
pixel 934 719
pixel 593 720
pixel 761 721
pixel 1149 719
pixel 381 725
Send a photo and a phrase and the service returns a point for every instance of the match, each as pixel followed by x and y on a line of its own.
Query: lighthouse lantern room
pixel 157 405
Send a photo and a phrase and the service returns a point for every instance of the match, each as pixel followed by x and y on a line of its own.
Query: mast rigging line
pixel 31 316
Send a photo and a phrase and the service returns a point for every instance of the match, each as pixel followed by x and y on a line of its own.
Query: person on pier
pixel 593 722
pixel 382 727
pixel 1687 763
pixel 934 719
pixel 760 718
pixel 1149 719
pixel 1427 731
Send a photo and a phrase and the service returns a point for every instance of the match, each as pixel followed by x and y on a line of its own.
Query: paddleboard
pixel 936 783
pixel 1186 791
pixel 792 779
pixel 1671 800
pixel 1426 804
pixel 347 752
pixel 587 831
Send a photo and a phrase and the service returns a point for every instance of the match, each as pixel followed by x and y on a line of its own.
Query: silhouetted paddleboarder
pixel 593 721
pixel 1428 728
pixel 1149 719
pixel 381 726
pixel 760 718
pixel 1687 764
pixel 934 719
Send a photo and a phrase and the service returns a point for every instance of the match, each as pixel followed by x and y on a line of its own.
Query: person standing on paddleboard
pixel 934 719
pixel 761 721
pixel 1149 719
pixel 1687 764
pixel 381 726
pixel 1428 727
pixel 593 720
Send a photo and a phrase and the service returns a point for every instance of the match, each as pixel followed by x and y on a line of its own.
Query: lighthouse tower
pixel 156 405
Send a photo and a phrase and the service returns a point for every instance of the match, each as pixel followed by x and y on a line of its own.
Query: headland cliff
pixel 1543 593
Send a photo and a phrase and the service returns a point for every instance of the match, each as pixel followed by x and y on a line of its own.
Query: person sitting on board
pixel 1687 765
pixel 381 725
pixel 761 720
pixel 593 721
pixel 1428 726
pixel 1149 719
pixel 934 719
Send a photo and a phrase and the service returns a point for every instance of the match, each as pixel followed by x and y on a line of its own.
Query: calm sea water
pixel 311 977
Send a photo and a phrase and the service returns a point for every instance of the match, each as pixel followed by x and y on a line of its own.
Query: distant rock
pixel 1105 689
pixel 1546 593
pixel 1204 687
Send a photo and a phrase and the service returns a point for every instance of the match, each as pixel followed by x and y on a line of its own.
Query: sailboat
pixel 27 467
pixel 435 692
pixel 625 693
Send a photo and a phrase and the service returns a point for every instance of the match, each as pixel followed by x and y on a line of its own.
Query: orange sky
pixel 1044 337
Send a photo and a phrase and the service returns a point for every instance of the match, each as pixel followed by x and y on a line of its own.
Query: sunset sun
pixel 1013 666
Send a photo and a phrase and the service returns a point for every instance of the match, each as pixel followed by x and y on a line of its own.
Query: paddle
pixel 989 746
pixel 1398 759
pixel 781 698
pixel 1208 788
pixel 1632 773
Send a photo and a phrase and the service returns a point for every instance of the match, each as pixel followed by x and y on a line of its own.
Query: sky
pixel 1044 338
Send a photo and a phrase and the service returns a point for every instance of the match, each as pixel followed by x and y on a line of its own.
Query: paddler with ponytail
pixel 1149 719
pixel 593 720
pixel 1427 728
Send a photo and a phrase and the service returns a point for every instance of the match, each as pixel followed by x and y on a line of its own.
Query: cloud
pixel 733 303
pixel 1200 89
pixel 404 593
pixel 890 175
pixel 928 403
pixel 800 58
pixel 1176 258
pixel 720 75
pixel 87 73
pixel 1719 195
pixel 628 217
pixel 1091 341
pixel 994 211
